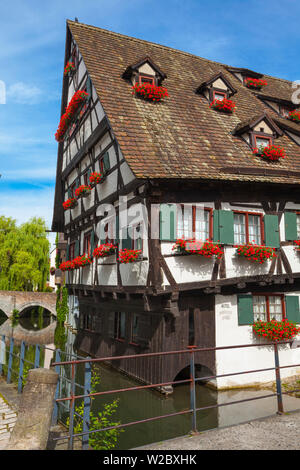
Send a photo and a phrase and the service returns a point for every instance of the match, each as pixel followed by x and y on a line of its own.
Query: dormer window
pixel 144 71
pixel 260 132
pixel 217 88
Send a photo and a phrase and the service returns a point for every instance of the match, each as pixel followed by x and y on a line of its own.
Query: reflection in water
pixel 35 318
pixel 3 317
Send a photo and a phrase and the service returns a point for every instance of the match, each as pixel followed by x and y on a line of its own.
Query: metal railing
pixel 193 380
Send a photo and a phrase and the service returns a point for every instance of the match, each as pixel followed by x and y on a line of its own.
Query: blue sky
pixel 261 35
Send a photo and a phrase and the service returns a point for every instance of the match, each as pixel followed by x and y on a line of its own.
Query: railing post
pixel 10 359
pixel 55 407
pixel 72 409
pixel 278 380
pixel 21 368
pixel 87 405
pixel 37 356
pixel 193 389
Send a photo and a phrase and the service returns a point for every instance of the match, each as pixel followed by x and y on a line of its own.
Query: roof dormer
pixel 144 71
pixel 216 88
pixel 260 131
pixel 241 74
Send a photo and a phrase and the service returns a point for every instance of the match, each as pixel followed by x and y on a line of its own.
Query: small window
pixel 72 251
pixel 268 307
pixel 284 111
pixel 87 244
pixel 262 141
pixel 120 324
pixel 146 79
pixel 195 223
pixel 72 190
pixel 86 178
pixel 219 95
pixel 247 228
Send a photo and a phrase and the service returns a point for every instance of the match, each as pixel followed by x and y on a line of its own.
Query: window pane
pixel 262 142
pixel 219 96
pixel 239 228
pixel 201 224
pixel 275 307
pixel 259 308
pixel 254 229
pixel 185 223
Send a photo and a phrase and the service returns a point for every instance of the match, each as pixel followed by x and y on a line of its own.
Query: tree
pixel 24 255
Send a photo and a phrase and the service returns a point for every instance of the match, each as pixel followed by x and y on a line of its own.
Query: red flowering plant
pixel 270 152
pixel 275 330
pixel 70 67
pixel 294 116
pixel 128 256
pixel 73 107
pixel 255 83
pixel 95 178
pixel 255 253
pixel 82 191
pixel 105 249
pixel 67 266
pixel 194 247
pixel 81 261
pixel 150 92
pixel 228 106
pixel 70 203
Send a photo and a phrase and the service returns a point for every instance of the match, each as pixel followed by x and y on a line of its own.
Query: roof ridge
pixel 161 46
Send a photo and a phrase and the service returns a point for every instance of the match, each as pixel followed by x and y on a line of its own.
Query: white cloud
pixel 23 94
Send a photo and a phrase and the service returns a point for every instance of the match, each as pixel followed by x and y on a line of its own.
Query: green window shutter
pixel 223 226
pixel 271 227
pixel 77 248
pixel 89 87
pixel 68 253
pixel 126 239
pixel 69 193
pixel 106 163
pixel 168 222
pixel 290 224
pixel 245 309
pixel 292 308
pixel 77 182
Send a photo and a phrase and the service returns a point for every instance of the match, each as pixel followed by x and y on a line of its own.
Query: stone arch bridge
pixel 10 300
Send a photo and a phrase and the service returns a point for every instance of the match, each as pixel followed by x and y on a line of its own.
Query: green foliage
pixel 62 308
pixel 15 317
pixel 60 337
pixel 105 440
pixel 24 255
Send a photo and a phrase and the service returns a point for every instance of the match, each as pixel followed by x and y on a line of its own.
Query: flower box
pixel 150 92
pixel 67 266
pixel 294 116
pixel 72 109
pixel 129 256
pixel 103 250
pixel 255 83
pixel 70 203
pixel 255 253
pixel 70 67
pixel 270 152
pixel 95 178
pixel 82 191
pixel 225 105
pixel 81 261
pixel 297 245
pixel 194 247
pixel 275 330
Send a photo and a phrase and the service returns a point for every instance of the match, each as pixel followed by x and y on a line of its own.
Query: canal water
pixel 142 404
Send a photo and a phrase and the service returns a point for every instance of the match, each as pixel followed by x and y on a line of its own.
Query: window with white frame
pixel 268 307
pixel 195 223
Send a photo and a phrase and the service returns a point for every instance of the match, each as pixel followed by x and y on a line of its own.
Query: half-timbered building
pixel 177 169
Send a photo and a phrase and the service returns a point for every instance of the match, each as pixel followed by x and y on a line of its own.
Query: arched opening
pixel 35 318
pixel 200 371
pixel 3 317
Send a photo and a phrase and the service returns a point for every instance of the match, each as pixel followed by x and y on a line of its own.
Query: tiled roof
pixel 181 137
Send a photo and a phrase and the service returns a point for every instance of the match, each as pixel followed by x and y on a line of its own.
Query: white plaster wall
pixel 107 273
pixel 134 274
pixel 229 333
pixel 126 173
